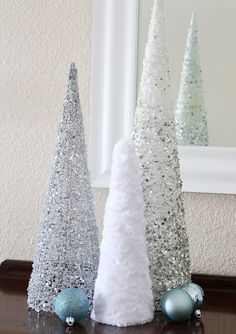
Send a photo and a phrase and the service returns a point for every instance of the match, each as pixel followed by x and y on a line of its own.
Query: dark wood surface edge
pixel 21 270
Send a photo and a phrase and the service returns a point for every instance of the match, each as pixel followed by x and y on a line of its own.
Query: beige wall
pixel 38 41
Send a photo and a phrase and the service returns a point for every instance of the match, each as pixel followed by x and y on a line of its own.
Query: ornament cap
pixel 198 314
pixel 70 321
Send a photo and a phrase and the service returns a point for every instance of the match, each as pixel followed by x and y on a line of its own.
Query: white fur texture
pixel 123 289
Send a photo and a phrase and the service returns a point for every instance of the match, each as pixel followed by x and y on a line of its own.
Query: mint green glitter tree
pixel 155 140
pixel 191 121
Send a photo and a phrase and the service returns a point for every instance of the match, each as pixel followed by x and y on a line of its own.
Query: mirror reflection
pixel 201 54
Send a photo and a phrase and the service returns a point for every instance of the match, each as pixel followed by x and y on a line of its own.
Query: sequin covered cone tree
pixel 67 251
pixel 191 120
pixel 155 141
pixel 123 289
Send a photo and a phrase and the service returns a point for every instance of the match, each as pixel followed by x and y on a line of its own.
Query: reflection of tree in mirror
pixel 191 119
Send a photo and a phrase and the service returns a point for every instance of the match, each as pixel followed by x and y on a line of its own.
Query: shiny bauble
pixel 71 305
pixel 196 293
pixel 177 305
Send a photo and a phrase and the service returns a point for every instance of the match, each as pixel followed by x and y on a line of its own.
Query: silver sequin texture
pixel 191 120
pixel 67 252
pixel 155 141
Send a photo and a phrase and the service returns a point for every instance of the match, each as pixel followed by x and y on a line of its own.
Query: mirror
pixel 216 39
pixel 118 39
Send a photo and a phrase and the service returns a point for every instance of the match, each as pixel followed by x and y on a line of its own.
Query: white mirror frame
pixel 113 100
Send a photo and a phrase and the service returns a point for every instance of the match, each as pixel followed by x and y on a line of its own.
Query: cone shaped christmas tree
pixel 155 141
pixel 191 121
pixel 67 251
pixel 123 290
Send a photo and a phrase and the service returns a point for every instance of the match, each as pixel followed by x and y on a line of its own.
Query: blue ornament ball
pixel 196 293
pixel 177 305
pixel 71 305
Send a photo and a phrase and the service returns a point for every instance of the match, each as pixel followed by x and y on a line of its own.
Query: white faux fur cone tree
pixel 123 290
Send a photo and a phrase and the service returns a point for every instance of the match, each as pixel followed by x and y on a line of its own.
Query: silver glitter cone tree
pixel 123 289
pixel 67 250
pixel 155 141
pixel 191 120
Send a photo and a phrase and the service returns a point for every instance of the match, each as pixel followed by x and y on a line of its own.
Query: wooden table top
pixel 219 317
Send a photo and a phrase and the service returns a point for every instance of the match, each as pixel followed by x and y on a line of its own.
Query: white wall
pixel 38 41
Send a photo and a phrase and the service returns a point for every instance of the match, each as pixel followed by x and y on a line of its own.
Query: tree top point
pixel 193 18
pixel 72 71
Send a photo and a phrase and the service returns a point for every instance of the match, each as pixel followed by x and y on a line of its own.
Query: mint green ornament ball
pixel 196 293
pixel 177 305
